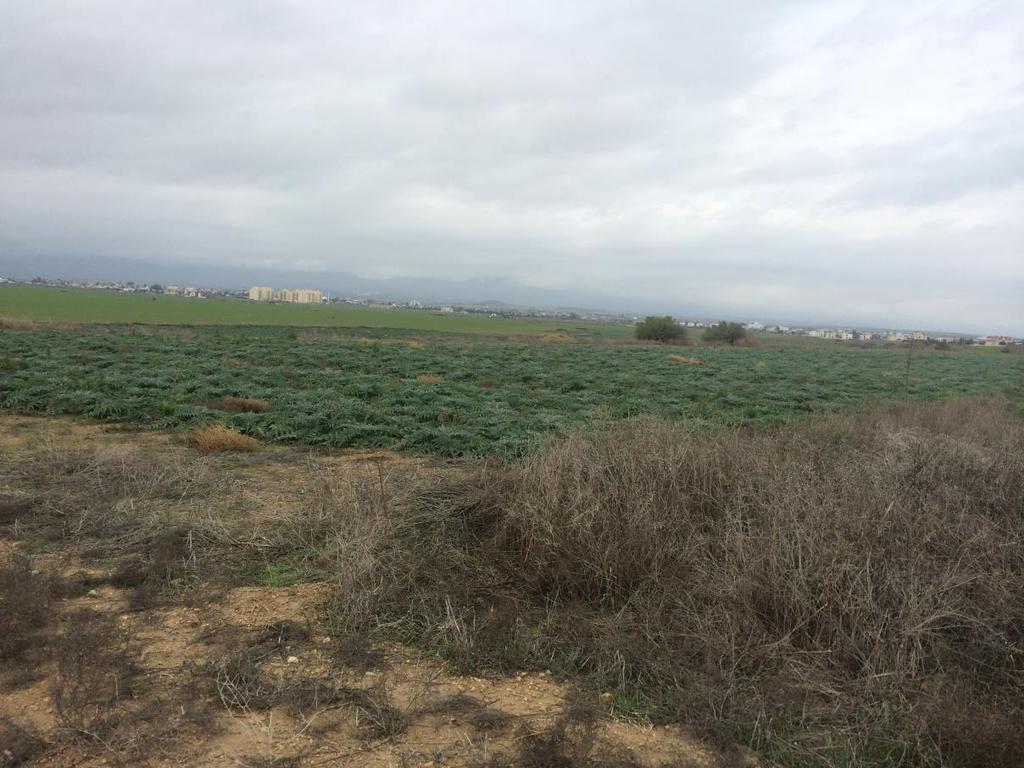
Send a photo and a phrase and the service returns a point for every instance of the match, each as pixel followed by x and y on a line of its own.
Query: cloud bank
pixel 862 161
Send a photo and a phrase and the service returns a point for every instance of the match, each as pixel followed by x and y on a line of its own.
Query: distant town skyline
pixel 826 330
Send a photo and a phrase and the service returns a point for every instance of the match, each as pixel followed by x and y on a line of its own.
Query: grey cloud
pixel 793 158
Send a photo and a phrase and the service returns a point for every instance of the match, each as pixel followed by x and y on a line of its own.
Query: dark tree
pixel 725 333
pixel 663 329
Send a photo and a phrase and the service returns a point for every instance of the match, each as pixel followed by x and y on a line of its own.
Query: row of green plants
pixel 450 396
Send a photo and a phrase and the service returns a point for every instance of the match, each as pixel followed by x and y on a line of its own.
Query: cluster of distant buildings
pixel 190 292
pixel 850 334
pixel 856 335
pixel 129 286
pixel 998 341
pixel 501 310
pixel 287 295
pixel 847 335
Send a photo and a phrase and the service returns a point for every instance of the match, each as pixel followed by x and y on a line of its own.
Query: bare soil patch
pixel 144 635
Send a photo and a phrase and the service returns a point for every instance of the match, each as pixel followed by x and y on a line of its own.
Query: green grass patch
pixel 76 305
pixel 280 575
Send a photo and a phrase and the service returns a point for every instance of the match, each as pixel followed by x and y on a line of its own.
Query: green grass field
pixel 68 305
pixel 449 395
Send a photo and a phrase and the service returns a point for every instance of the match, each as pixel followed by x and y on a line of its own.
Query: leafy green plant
pixel 349 393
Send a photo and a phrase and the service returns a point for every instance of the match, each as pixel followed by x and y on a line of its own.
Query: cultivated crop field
pixel 450 395
pixel 758 559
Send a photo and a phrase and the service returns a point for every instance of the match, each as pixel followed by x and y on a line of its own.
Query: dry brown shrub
pixel 24 606
pixel 244 405
pixel 217 438
pixel 556 337
pixel 92 668
pixel 118 494
pixel 14 506
pixel 819 591
pixel 241 682
pixel 680 360
pixel 428 378
pixel 18 745
pixel 19 324
pixel 570 741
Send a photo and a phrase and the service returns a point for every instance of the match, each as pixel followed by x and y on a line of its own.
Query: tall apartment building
pixel 257 293
pixel 308 296
pixel 289 295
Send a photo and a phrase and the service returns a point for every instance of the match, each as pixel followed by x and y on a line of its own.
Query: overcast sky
pixel 861 161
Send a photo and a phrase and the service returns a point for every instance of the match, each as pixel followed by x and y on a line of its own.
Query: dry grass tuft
pixel 217 438
pixel 428 378
pixel 108 502
pixel 681 360
pixel 244 405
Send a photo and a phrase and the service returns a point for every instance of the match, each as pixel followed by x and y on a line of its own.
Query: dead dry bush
pixel 162 557
pixel 272 761
pixel 14 506
pixel 462 708
pixel 24 606
pixel 108 704
pixel 90 686
pixel 570 741
pixel 242 683
pixel 216 438
pixel 821 593
pixel 244 405
pixel 18 745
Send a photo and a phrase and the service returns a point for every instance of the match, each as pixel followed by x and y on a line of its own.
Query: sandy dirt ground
pixel 433 717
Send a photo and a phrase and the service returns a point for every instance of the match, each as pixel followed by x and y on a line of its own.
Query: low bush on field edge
pixel 725 332
pixel 850 592
pixel 663 329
